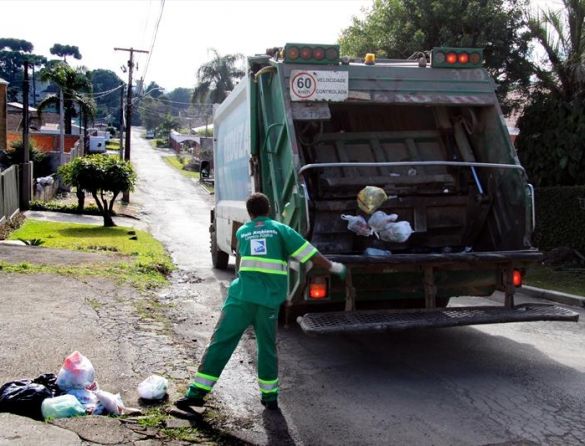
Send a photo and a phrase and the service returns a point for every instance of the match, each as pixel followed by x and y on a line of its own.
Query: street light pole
pixel 126 195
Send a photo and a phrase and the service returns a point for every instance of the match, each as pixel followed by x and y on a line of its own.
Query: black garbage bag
pixel 24 397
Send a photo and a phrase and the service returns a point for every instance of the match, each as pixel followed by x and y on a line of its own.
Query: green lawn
pixel 148 261
pixel 113 144
pixel 551 278
pixel 173 161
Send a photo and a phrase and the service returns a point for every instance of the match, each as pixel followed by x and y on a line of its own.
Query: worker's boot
pixel 193 397
pixel 270 404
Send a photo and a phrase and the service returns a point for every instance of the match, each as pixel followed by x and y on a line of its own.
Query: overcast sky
pixel 187 30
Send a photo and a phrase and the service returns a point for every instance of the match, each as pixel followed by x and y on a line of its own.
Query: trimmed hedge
pixel 560 217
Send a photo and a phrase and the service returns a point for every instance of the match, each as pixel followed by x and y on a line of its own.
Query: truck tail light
pixel 475 58
pixel 309 53
pixel 318 53
pixel 292 53
pixel 517 278
pixel 318 288
pixel 332 53
pixel 306 53
pixel 456 57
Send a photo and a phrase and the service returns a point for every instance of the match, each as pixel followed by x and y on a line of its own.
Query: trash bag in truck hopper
pixel 371 198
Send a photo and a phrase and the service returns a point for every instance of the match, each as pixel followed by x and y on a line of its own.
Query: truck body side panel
pixel 232 149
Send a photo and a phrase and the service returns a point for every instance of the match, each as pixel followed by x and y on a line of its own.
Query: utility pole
pixel 122 122
pixel 26 173
pixel 126 195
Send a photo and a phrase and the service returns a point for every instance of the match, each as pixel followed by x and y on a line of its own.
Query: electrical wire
pixel 162 7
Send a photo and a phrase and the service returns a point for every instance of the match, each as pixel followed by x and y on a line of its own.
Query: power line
pixel 162 7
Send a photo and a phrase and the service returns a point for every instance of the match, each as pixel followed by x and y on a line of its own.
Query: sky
pixel 188 28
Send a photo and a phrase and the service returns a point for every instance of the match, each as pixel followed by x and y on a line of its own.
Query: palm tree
pixel 562 35
pixel 73 82
pixel 216 78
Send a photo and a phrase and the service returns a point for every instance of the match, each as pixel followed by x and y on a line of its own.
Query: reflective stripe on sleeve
pixel 268 386
pixel 203 381
pixel 304 253
pixel 261 265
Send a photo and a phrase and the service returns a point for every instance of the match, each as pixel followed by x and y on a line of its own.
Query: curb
pixel 555 296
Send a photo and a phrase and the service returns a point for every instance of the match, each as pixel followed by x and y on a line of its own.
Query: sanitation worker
pixel 254 299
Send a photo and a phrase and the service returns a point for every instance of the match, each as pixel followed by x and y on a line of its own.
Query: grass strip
pixel 174 162
pixel 565 280
pixel 148 263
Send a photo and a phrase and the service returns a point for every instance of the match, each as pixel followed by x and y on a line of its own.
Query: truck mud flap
pixel 372 321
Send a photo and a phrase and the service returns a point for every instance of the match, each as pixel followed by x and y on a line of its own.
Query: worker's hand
pixel 338 268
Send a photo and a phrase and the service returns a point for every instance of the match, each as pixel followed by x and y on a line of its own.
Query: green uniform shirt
pixel 264 246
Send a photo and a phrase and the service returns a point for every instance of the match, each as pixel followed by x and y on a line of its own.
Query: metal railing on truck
pixel 470 164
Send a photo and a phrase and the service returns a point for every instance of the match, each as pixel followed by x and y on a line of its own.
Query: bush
pixel 560 217
pixel 103 176
pixel 551 144
pixel 13 155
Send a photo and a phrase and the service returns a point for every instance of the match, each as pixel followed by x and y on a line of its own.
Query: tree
pixel 551 144
pixel 104 176
pixel 73 82
pixel 400 28
pixel 107 104
pixel 65 50
pixel 216 78
pixel 152 112
pixel 13 53
pixel 561 34
pixel 169 123
pixel 178 99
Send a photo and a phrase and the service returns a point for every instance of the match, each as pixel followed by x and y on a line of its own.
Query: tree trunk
pixel 104 209
pixel 108 221
pixel 80 200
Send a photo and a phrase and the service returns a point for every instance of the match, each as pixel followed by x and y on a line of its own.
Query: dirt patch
pixel 11 225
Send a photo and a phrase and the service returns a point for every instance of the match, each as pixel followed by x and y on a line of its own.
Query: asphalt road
pixel 506 384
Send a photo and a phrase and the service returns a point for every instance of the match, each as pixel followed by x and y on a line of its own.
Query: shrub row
pixel 560 217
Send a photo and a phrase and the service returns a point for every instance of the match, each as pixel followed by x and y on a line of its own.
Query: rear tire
pixel 219 259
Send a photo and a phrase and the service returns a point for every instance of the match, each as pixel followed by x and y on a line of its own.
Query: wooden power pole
pixel 126 195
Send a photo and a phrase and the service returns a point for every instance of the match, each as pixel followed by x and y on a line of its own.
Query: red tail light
pixel 319 53
pixel 306 52
pixel 318 288
pixel 463 58
pixel 451 58
pixel 292 53
pixel 517 278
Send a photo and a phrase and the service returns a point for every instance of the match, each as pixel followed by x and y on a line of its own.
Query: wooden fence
pixel 9 193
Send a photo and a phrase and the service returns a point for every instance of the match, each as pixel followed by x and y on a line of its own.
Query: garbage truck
pixel 311 129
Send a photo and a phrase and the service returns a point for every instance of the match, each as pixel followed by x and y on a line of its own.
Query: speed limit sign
pixel 318 85
pixel 303 85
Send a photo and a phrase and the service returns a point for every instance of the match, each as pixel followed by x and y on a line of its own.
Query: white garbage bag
pixel 77 373
pixel 108 403
pixel 357 224
pixel 397 232
pixel 153 388
pixel 379 220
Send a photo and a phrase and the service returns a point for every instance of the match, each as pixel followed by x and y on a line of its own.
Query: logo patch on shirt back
pixel 258 247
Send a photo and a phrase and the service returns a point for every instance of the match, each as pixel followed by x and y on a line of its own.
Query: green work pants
pixel 236 317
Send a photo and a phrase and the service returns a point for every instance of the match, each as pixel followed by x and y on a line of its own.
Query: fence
pixel 9 193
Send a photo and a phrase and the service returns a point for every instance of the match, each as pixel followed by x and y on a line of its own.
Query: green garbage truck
pixel 311 129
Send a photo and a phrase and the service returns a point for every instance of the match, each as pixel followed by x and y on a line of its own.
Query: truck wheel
pixel 219 259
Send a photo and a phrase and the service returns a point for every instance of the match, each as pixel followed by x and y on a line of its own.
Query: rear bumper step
pixel 372 321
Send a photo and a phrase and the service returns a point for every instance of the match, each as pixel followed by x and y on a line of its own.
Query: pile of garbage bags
pixel 73 392
pixel 384 226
